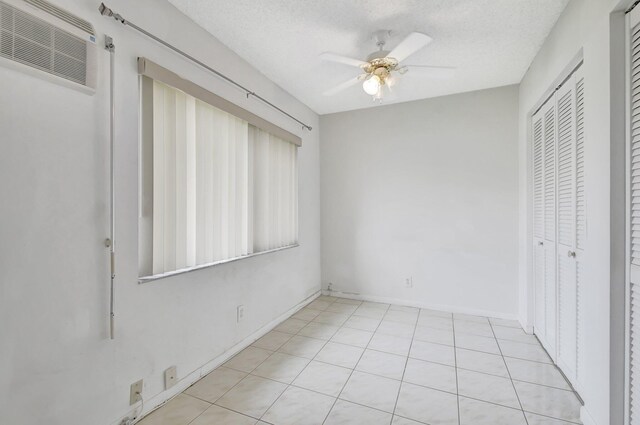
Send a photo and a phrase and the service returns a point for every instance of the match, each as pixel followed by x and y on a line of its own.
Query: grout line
pixel 513 385
pixel 353 370
pixel 406 361
pixel 455 362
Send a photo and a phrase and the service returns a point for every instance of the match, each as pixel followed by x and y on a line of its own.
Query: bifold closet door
pixel 538 224
pixel 545 121
pixel 633 222
pixel 570 193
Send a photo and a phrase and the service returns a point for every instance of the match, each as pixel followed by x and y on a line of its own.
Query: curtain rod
pixel 106 11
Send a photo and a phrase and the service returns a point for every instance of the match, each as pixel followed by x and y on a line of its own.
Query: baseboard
pixel 162 398
pixel 586 417
pixel 410 303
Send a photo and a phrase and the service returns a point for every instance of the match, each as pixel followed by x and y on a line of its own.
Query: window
pixel 215 185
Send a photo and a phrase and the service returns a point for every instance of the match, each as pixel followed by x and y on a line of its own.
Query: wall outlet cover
pixel 135 393
pixel 240 313
pixel 170 377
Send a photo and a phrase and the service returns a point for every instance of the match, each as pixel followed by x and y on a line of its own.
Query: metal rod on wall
pixel 106 11
pixel 110 243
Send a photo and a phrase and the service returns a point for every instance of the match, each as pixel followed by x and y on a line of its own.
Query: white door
pixel 550 154
pixel 633 221
pixel 567 224
pixel 538 223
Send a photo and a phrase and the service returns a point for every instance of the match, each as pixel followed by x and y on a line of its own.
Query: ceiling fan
pixel 381 69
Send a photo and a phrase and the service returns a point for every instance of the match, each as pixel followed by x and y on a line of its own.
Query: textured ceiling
pixel 491 42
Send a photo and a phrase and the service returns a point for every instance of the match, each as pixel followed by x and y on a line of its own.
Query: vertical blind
pixel 222 188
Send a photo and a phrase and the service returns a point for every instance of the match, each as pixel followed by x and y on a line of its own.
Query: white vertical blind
pixel 275 190
pixel 222 188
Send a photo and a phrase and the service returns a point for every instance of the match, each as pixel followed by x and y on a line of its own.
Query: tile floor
pixel 340 361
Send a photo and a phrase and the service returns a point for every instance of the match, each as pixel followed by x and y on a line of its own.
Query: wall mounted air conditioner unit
pixel 38 37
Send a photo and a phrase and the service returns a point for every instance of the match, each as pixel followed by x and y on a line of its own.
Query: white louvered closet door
pixel 567 228
pixel 633 237
pixel 549 122
pixel 538 222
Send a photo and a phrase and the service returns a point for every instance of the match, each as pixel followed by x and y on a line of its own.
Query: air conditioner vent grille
pixel 34 42
pixel 63 15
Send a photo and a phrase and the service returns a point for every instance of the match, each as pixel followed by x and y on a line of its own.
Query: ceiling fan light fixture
pixel 372 85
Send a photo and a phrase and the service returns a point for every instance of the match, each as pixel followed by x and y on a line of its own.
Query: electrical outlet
pixel 135 393
pixel 408 283
pixel 170 377
pixel 240 313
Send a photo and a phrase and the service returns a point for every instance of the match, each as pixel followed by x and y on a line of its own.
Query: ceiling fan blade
pixel 411 44
pixel 334 57
pixel 440 72
pixel 343 86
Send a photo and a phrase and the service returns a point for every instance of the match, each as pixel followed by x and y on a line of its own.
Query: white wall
pixel 425 189
pixel 584 25
pixel 57 365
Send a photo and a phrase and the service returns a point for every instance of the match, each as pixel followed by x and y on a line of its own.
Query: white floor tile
pixel 390 344
pixel 401 316
pixel 346 413
pixel 471 318
pixel 372 391
pixel 514 334
pixel 179 411
pixel 481 329
pixel 399 420
pixel 215 384
pixel 348 301
pixel 350 336
pixel 323 378
pixel 435 313
pixel 297 406
pixel 433 375
pixel 382 364
pixel 281 367
pixel 436 322
pixel 373 313
pixel 331 318
pixel 427 405
pixel 342 308
pixel 534 419
pixel 293 374
pixel 492 364
pixel 431 352
pixel 319 305
pixel 474 412
pixel 252 396
pixel 524 351
pixel 248 359
pixel 559 404
pixel 291 326
pixel 404 308
pixel 403 330
pixel 340 354
pixel 362 323
pixel 438 336
pixel 302 346
pixel 505 322
pixel 307 314
pixel 216 415
pixel 490 388
pixel 318 330
pixel 536 373
pixel 272 340
pixel 371 304
pixel 477 343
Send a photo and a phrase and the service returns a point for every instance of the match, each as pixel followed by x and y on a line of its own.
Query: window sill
pixel 145 279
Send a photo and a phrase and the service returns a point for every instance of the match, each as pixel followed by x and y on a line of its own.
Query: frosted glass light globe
pixel 371 85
